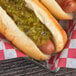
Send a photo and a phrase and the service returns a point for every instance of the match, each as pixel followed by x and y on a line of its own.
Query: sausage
pixel 67 5
pixel 47 47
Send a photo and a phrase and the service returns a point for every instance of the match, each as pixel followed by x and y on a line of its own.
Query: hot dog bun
pixel 56 10
pixel 9 29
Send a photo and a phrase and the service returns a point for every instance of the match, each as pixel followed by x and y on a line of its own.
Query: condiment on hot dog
pixel 29 24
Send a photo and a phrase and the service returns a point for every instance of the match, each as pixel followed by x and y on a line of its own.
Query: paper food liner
pixel 66 58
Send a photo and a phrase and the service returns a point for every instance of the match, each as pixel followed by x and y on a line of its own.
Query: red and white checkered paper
pixel 67 58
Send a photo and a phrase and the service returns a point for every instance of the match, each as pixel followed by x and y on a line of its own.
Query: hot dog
pixel 68 6
pixel 31 28
pixel 56 10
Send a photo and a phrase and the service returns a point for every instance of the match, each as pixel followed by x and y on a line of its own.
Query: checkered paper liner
pixel 66 58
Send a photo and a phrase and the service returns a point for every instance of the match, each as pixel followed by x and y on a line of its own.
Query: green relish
pixel 26 20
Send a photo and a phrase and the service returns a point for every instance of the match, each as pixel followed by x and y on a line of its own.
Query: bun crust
pixel 56 10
